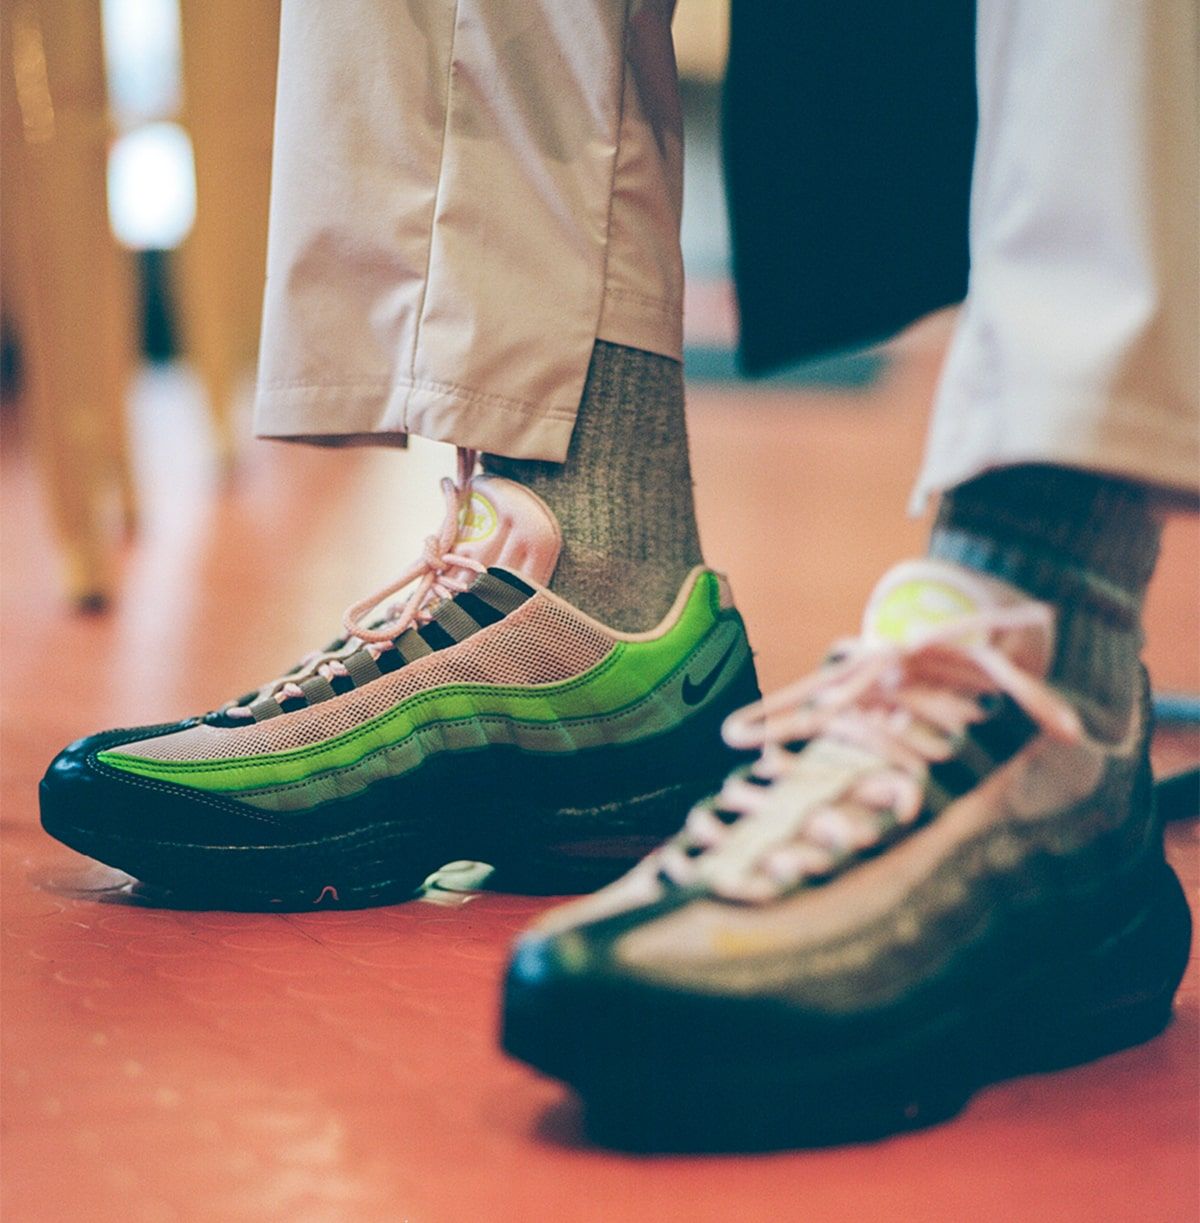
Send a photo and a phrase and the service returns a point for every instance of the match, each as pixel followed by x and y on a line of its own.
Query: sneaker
pixel 931 877
pixel 482 718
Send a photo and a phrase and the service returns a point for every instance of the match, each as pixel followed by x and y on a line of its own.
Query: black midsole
pixel 394 856
pixel 1114 993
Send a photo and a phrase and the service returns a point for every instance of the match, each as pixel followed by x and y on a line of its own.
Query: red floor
pixel 165 1065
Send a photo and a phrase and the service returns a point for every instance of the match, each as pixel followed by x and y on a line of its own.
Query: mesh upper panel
pixel 542 642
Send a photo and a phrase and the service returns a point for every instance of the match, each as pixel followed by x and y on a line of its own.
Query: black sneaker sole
pixel 519 812
pixel 1117 994
pixel 385 862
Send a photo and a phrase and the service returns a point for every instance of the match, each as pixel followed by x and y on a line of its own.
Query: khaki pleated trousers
pixel 467 194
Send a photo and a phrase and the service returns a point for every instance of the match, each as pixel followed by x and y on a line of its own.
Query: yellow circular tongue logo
pixel 919 604
pixel 477 520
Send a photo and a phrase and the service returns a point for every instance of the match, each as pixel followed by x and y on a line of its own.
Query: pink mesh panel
pixel 542 642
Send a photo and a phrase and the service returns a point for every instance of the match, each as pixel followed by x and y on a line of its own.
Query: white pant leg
pixel 466 195
pixel 1078 341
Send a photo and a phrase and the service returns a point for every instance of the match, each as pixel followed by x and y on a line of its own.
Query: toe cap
pixel 82 799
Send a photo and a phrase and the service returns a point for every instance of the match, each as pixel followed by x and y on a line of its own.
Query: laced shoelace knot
pixel 435 577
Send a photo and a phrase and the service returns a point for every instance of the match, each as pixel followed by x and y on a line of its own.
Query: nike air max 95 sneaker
pixel 931 877
pixel 483 717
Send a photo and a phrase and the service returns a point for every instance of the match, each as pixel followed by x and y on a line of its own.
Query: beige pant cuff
pixel 637 321
pixel 385 415
pixel 1127 438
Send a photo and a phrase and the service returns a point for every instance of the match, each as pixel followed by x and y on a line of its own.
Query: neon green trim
pixel 625 675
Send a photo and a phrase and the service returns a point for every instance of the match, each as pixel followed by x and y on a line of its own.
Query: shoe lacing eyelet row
pixel 893 710
pixel 439 574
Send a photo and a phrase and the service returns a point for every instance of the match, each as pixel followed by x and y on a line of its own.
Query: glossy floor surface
pixel 166 1065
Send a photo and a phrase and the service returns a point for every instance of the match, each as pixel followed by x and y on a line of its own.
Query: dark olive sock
pixel 624 495
pixel 1085 543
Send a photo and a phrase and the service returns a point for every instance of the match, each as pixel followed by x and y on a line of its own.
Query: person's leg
pixel 1077 344
pixel 624 495
pixel 945 866
pixel 1068 403
pixel 474 237
pixel 466 199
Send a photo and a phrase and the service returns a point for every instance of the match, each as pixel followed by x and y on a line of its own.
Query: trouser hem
pixel 649 324
pixel 1128 439
pixel 385 415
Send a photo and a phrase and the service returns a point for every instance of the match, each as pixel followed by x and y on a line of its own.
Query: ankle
pixel 1084 543
pixel 623 498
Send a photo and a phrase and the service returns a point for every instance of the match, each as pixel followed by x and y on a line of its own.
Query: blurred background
pixel 154 563
pixel 136 148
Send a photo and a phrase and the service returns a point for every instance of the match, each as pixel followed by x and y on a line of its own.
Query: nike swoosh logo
pixel 694 693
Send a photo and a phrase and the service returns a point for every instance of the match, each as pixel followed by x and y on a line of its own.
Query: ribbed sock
pixel 1083 542
pixel 624 495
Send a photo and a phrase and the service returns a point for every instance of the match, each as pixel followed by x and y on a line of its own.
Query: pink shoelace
pixel 872 721
pixel 435 582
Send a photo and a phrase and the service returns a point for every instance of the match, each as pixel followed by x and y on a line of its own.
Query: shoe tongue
pixel 505 524
pixel 915 596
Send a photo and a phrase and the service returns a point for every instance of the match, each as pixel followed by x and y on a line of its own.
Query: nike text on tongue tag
pixel 504 523
pixel 916 604
pixel 477 519
pixel 919 597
